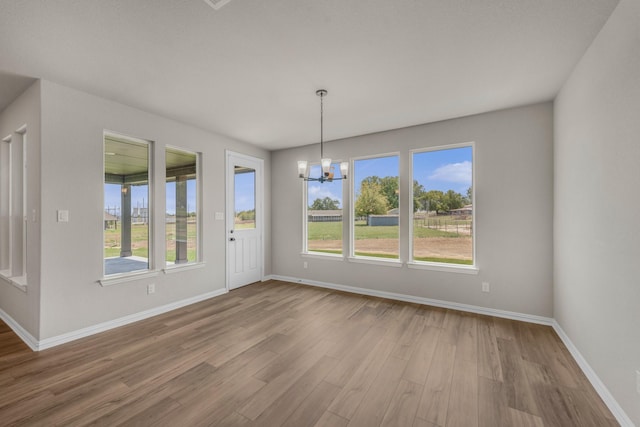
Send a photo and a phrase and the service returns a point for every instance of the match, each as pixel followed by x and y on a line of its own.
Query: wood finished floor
pixel 280 354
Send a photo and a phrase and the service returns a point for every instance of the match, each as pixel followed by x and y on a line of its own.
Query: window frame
pixel 198 190
pixel 305 219
pixel 151 270
pixel 441 266
pixel 352 257
pixel 7 183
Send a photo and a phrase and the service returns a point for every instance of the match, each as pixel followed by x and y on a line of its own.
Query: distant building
pixel 140 215
pixel 463 211
pixel 324 215
pixel 110 221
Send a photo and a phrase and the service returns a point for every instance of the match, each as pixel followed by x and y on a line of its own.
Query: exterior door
pixel 244 220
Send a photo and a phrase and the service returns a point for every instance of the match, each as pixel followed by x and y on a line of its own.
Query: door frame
pixel 229 208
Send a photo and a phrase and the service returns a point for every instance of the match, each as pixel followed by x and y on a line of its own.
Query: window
pixel 182 206
pixel 5 207
pixel 442 226
pixel 376 208
pixel 323 213
pixel 13 213
pixel 126 205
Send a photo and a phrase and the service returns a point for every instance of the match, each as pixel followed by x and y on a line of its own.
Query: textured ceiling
pixel 250 70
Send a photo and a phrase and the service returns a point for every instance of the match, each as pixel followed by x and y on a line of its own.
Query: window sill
pixel 320 255
pixel 126 277
pixel 18 282
pixel 387 262
pixel 437 266
pixel 176 268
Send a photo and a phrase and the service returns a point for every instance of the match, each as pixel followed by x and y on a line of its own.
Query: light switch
pixel 63 216
pixel 219 216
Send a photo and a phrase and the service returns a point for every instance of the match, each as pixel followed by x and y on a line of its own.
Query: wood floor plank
pixel 376 400
pixel 277 412
pixel 420 361
pixel 488 358
pixel 404 404
pixel 435 397
pixel 278 385
pixel 329 419
pixel 347 401
pixel 311 410
pixel 463 407
pixel 277 353
pixel 518 389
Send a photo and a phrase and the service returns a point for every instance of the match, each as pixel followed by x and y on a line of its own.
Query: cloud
pixel 459 173
pixel 320 192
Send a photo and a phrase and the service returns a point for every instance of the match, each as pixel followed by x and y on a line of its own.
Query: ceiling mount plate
pixel 216 4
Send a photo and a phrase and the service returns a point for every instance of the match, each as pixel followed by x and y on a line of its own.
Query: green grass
pixel 333 231
pixel 139 241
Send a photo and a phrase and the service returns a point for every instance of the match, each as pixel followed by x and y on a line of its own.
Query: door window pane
pixel 245 197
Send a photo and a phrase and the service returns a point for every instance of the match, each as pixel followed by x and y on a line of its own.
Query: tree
pixel 370 200
pixel 452 200
pixel 326 204
pixel 469 195
pixel 434 201
pixel 246 215
pixel 388 188
pixel 418 196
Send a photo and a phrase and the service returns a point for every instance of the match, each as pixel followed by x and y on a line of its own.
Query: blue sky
pixel 443 170
pixel 245 186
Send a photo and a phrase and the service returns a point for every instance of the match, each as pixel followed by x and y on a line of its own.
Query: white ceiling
pixel 250 70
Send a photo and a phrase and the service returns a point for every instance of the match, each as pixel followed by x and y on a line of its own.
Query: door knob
pixel 232 239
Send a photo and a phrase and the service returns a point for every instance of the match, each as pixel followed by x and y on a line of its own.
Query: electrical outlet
pixel 486 287
pixel 305 264
pixel 151 288
pixel 638 381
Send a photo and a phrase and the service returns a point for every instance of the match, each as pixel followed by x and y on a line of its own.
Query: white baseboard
pixel 19 330
pixel 421 300
pixel 36 345
pixel 593 378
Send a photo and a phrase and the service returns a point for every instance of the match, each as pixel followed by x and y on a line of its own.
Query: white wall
pixel 514 197
pixel 72 179
pixel 597 207
pixel 23 307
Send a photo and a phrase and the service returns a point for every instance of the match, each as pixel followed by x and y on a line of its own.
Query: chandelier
pixel 325 162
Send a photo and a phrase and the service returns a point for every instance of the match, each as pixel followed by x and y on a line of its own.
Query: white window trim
pixel 305 227
pixel 115 279
pixel 183 267
pixel 352 202
pixel 323 255
pixel 389 262
pixel 440 266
